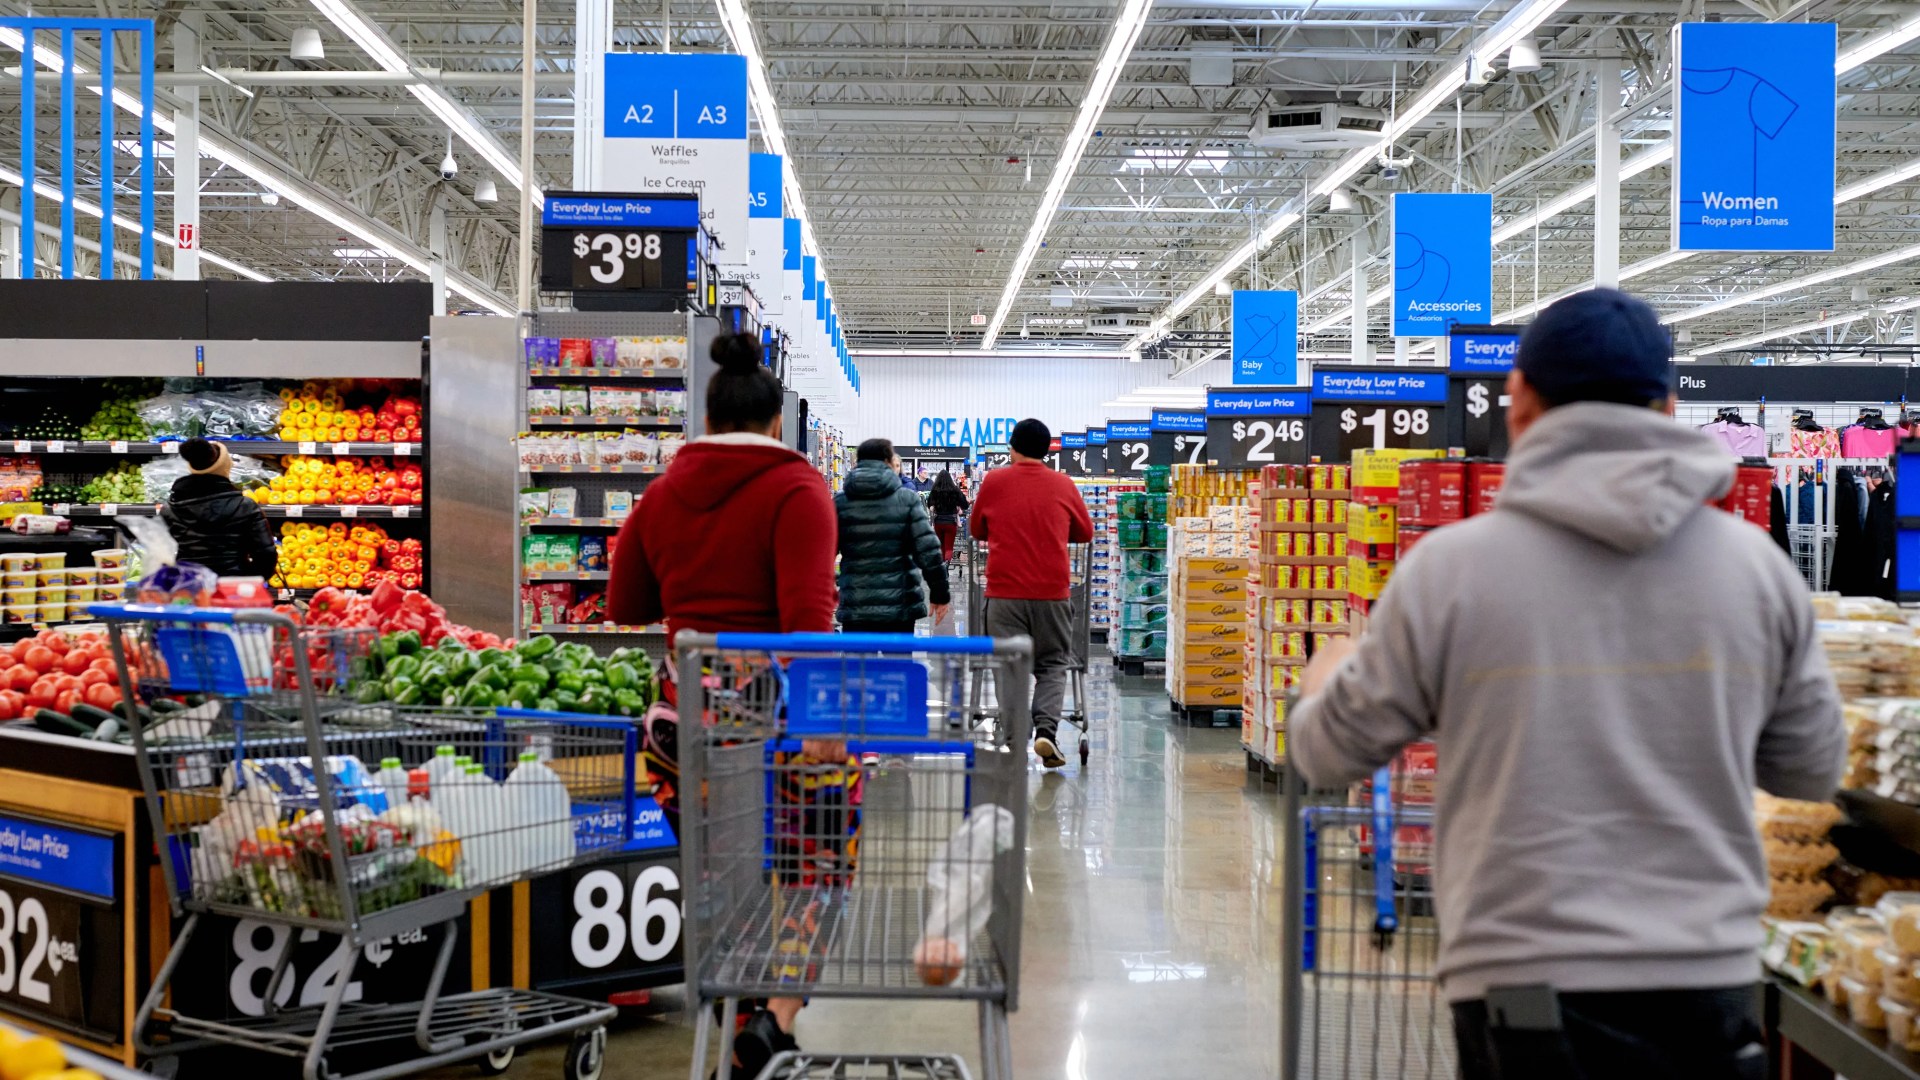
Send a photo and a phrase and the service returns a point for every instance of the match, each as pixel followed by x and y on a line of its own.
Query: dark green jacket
pixel 887 546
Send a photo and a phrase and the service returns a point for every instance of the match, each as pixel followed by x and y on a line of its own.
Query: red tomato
pixel 8 709
pixel 20 676
pixel 63 683
pixel 104 663
pixel 74 662
pixel 55 640
pixel 16 699
pixel 63 701
pixel 41 659
pixel 41 695
pixel 90 677
pixel 101 696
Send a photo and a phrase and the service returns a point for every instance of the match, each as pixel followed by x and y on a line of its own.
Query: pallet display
pixel 1143 575
pixel 1296 594
pixel 606 397
pixel 1102 499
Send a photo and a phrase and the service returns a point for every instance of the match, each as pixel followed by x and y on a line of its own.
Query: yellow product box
pixel 1323 577
pixel 1327 477
pixel 1376 473
pixel 1216 611
pixel 1320 640
pixel 1213 674
pixel 1342 508
pixel 1374 524
pixel 1303 509
pixel 1223 695
pixel 1322 544
pixel 1287 643
pixel 1340 576
pixel 1204 633
pixel 1275 512
pixel 1210 569
pixel 1217 589
pixel 1366 578
pixel 1329 611
pixel 1211 653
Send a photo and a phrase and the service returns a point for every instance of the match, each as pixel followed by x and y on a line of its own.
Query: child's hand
pixel 821 751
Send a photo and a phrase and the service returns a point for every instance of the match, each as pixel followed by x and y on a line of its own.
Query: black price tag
pixel 1481 405
pixel 617 921
pixel 230 964
pixel 62 932
pixel 1252 441
pixel 628 259
pixel 1179 438
pixel 1128 457
pixel 1338 429
pixel 994 459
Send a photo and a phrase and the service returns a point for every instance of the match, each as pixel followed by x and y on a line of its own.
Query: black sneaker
pixel 757 1043
pixel 1049 753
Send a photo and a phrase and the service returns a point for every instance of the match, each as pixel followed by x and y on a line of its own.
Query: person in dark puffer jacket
pixel 214 522
pixel 887 547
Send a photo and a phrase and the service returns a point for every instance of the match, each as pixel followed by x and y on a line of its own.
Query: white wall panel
pixel 1067 393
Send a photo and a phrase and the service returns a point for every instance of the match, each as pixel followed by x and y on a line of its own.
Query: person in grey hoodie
pixel 1608 667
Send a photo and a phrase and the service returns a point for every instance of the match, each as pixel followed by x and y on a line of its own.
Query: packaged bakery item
pixel 593 553
pixel 1901 1029
pixel 563 502
pixel 1898 979
pixel 534 504
pixel 1864 1005
pixel 1901 912
pixel 618 503
pixel 1854 949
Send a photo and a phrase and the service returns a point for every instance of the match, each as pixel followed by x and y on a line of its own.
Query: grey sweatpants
pixel 1049 623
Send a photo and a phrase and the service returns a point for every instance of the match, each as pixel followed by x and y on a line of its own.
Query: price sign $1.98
pixel 1342 429
pixel 614 258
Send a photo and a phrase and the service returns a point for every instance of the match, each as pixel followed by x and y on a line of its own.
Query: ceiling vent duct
pixel 1329 126
pixel 1118 323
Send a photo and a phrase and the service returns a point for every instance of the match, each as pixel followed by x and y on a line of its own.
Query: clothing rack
pixel 1777 416
pixel 1811 540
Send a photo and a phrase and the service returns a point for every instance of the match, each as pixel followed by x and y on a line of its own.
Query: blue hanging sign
pixel 1258 403
pixel 1073 440
pixel 809 277
pixel 677 123
pixel 1475 353
pixel 1173 420
pixel 1266 338
pixel 790 242
pixel 57 857
pixel 1442 262
pixel 1754 137
pixel 1128 429
pixel 763 186
pixel 1404 386
pixel 1096 436
pixel 609 211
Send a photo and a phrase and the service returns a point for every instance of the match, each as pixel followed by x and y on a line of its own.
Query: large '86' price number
pixel 650 923
pixel 611 252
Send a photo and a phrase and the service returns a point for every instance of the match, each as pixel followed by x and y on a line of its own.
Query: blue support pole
pixel 66 154
pixel 106 155
pixel 146 149
pixel 28 235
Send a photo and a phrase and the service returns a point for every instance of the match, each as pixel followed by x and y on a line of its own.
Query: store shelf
pixel 567 575
pixel 594 628
pixel 628 470
pixel 574 523
pixel 254 447
pixel 328 512
pixel 604 422
pixel 609 374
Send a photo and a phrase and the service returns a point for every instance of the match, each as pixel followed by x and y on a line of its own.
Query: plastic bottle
pixel 439 769
pixel 450 800
pixel 392 779
pixel 540 808
pixel 960 893
pixel 489 815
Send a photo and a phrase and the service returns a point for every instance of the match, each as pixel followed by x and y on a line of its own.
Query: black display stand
pixel 1815 1040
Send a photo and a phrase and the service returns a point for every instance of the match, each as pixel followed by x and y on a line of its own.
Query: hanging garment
pixel 1860 441
pixel 1777 521
pixel 1881 537
pixel 1848 573
pixel 1820 443
pixel 1811 494
pixel 1742 440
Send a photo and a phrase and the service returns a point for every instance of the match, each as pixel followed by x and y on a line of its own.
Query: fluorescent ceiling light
pixel 1833 273
pixel 1095 262
pixel 1806 327
pixel 1106 75
pixel 221 77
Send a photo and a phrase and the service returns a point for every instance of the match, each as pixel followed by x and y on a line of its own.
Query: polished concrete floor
pixel 1152 928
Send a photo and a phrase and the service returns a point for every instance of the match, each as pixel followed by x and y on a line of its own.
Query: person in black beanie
pixel 1028 514
pixel 214 523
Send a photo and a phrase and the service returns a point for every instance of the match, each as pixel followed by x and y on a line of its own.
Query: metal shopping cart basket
pixel 1359 996
pixel 1076 711
pixel 855 875
pixel 269 802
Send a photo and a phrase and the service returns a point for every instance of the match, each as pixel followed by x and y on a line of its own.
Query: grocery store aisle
pixel 1152 923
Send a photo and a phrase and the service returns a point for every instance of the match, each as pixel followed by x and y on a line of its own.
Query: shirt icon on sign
pixel 1751 113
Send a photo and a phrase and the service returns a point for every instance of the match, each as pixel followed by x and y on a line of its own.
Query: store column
pixel 1606 175
pixel 186 150
pixel 437 247
pixel 592 40
pixel 10 237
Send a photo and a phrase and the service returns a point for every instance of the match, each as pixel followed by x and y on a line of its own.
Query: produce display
pixel 66 683
pixel 343 410
pixel 349 481
pixel 36 1057
pixel 118 416
pixel 124 483
pixel 537 673
pixel 347 557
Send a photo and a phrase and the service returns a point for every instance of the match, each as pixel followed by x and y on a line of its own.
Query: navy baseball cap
pixel 1598 345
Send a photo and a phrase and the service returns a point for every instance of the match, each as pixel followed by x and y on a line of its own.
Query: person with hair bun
pixel 213 521
pixel 740 535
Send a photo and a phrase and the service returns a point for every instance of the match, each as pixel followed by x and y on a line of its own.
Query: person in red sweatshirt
pixel 1028 514
pixel 739 535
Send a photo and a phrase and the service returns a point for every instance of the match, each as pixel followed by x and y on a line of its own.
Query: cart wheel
pixel 498 1061
pixel 1083 751
pixel 587 1055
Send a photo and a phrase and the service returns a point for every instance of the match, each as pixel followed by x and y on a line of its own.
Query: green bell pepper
pixel 408 694
pixel 597 699
pixel 622 675
pixel 622 654
pixel 629 702
pixel 594 675
pixel 522 695
pixel 405 664
pixel 569 682
pixel 491 676
pixel 451 644
pixel 548 704
pixel 476 694
pixel 531 674
pixel 566 700
pixel 433 678
pixel 536 647
pixel 371 692
pixel 494 657
pixel 400 643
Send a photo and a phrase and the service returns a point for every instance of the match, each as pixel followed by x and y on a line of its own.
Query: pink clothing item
pixel 1819 443
pixel 1859 441
pixel 1742 440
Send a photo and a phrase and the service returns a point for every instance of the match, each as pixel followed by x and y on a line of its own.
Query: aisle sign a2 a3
pixel 1355 409
pixel 1129 442
pixel 1247 429
pixel 1179 438
pixel 676 123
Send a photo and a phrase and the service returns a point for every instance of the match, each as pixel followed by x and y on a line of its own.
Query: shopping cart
pixel 838 879
pixel 1076 710
pixel 1359 997
pixel 260 777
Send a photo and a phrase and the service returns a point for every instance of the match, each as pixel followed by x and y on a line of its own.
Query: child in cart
pixel 740 535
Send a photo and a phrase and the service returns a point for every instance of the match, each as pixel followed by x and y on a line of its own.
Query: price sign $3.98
pixel 611 258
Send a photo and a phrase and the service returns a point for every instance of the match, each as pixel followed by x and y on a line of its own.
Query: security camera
pixel 1390 166
pixel 449 168
pixel 1480 71
pixel 1389 172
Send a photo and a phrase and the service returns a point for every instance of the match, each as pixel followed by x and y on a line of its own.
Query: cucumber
pixel 58 723
pixel 168 705
pixel 91 715
pixel 124 710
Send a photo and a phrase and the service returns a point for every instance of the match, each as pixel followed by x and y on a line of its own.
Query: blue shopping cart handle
pixel 168 613
pixel 854 643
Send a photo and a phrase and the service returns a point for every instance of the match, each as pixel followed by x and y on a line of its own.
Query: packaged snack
pixel 533 552
pixel 542 351
pixel 603 351
pixel 543 401
pixel 576 352
pixel 593 553
pixel 563 502
pixel 1899 980
pixel 670 352
pixel 1901 1030
pixel 1855 948
pixel 563 553
pixel 670 446
pixel 546 602
pixel 632 352
pixel 670 406
pixel 618 503
pixel 535 503
pixel 574 401
pixel 1901 913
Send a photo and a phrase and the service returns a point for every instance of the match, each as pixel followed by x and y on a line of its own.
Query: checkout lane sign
pixel 676 123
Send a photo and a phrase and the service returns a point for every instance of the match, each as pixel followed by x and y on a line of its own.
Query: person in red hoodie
pixel 1028 514
pixel 739 535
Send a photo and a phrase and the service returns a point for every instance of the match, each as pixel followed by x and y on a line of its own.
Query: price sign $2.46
pixel 1259 437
